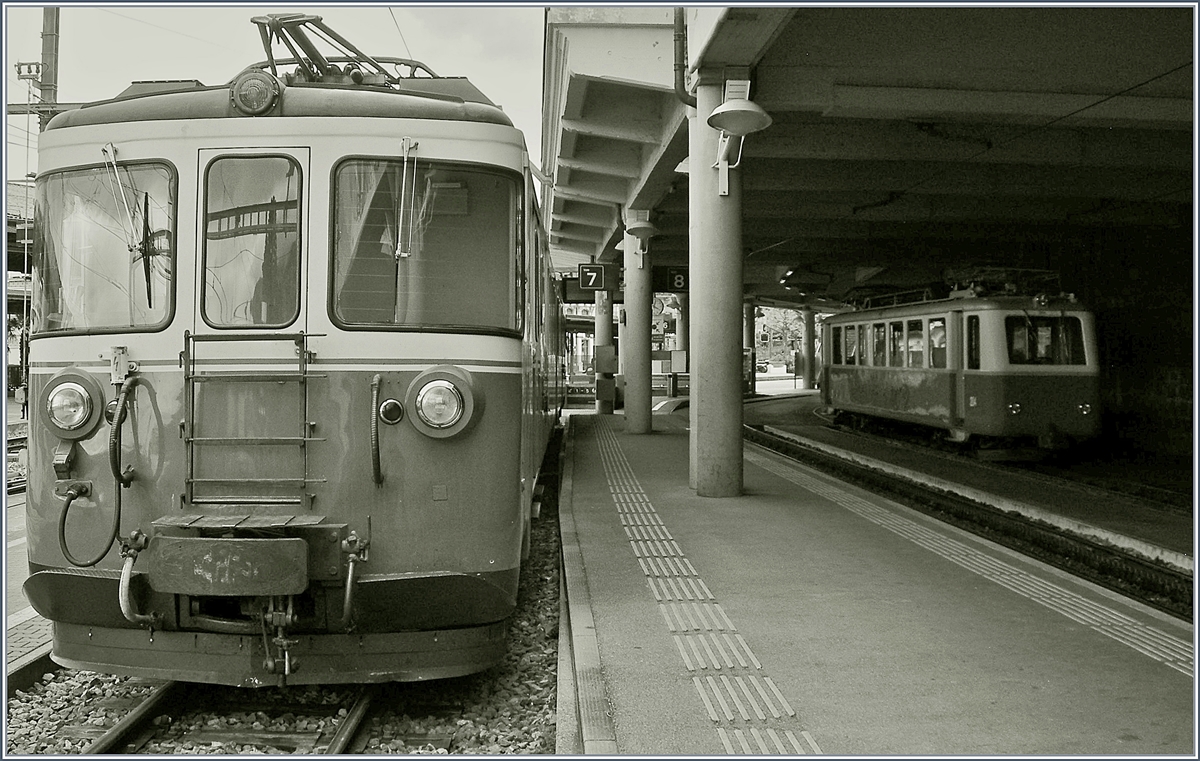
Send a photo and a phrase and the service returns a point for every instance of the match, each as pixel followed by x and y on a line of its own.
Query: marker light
pixel 391 411
pixel 254 92
pixel 69 406
pixel 439 404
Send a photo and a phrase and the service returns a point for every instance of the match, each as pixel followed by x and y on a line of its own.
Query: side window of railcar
pixel 252 242
pixel 973 342
pixel 1044 340
pixel 916 343
pixel 937 342
pixel 837 346
pixel 423 244
pixel 896 344
pixel 104 249
pixel 851 344
pixel 879 353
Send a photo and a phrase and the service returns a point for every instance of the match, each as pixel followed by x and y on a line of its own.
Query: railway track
pixel 14 481
pixel 1138 578
pixel 219 720
pixel 1105 480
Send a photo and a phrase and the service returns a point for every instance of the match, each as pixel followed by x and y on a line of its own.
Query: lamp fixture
pixel 638 224
pixel 736 117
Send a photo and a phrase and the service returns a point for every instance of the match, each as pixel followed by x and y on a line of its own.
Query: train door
pixel 246 359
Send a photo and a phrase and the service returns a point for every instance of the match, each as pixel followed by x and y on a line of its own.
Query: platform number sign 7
pixel 591 277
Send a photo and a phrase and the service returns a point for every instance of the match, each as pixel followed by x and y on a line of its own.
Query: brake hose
pixel 123 480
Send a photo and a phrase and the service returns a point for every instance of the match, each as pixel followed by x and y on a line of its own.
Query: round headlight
pixel 254 92
pixel 1085 409
pixel 439 404
pixel 69 406
pixel 1014 409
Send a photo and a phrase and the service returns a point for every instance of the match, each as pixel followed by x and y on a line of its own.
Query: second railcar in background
pixel 995 370
pixel 296 358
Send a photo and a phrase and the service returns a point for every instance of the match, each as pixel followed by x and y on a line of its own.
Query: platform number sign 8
pixel 679 280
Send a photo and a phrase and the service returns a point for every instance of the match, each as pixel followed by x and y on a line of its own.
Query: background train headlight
pixel 72 404
pixel 439 404
pixel 69 406
pixel 443 401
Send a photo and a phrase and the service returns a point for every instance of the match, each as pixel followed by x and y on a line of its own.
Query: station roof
pixel 905 140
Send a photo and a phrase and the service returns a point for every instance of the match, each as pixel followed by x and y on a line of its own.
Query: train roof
pixel 442 98
pixel 1062 302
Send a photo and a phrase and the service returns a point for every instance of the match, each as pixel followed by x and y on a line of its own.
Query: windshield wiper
pixel 118 192
pixel 145 247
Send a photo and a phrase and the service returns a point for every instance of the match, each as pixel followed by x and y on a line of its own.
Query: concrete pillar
pixel 681 328
pixel 696 142
pixel 748 343
pixel 603 344
pixel 635 344
pixel 810 351
pixel 716 281
pixel 619 311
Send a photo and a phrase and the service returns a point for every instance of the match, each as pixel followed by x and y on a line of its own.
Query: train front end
pixel 285 403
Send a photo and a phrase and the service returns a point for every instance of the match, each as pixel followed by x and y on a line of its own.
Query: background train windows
pixel 837 346
pixel 937 342
pixel 104 249
pixel 879 343
pixel 425 244
pixel 1049 340
pixel 896 344
pixel 252 242
pixel 851 344
pixel 916 343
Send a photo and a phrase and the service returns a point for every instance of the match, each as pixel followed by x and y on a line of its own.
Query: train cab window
pixel 851 344
pixel 896 344
pixel 1044 340
pixel 252 242
pixel 837 346
pixel 424 244
pixel 916 343
pixel 104 249
pixel 973 342
pixel 937 342
pixel 879 343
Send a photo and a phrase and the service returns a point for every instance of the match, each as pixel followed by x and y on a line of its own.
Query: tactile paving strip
pixel 750 712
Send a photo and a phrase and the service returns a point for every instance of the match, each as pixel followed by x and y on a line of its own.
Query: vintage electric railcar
pixel 999 371
pixel 296 359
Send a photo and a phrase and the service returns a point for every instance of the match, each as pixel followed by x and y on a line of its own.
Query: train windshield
pixel 104 249
pixel 1044 340
pixel 252 242
pixel 424 244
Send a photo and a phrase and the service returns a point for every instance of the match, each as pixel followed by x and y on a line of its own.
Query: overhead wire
pixel 167 29
pixel 407 52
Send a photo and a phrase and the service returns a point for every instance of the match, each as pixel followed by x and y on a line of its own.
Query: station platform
pixel 807 616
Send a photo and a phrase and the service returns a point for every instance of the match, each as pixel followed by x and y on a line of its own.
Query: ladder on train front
pixel 245 426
